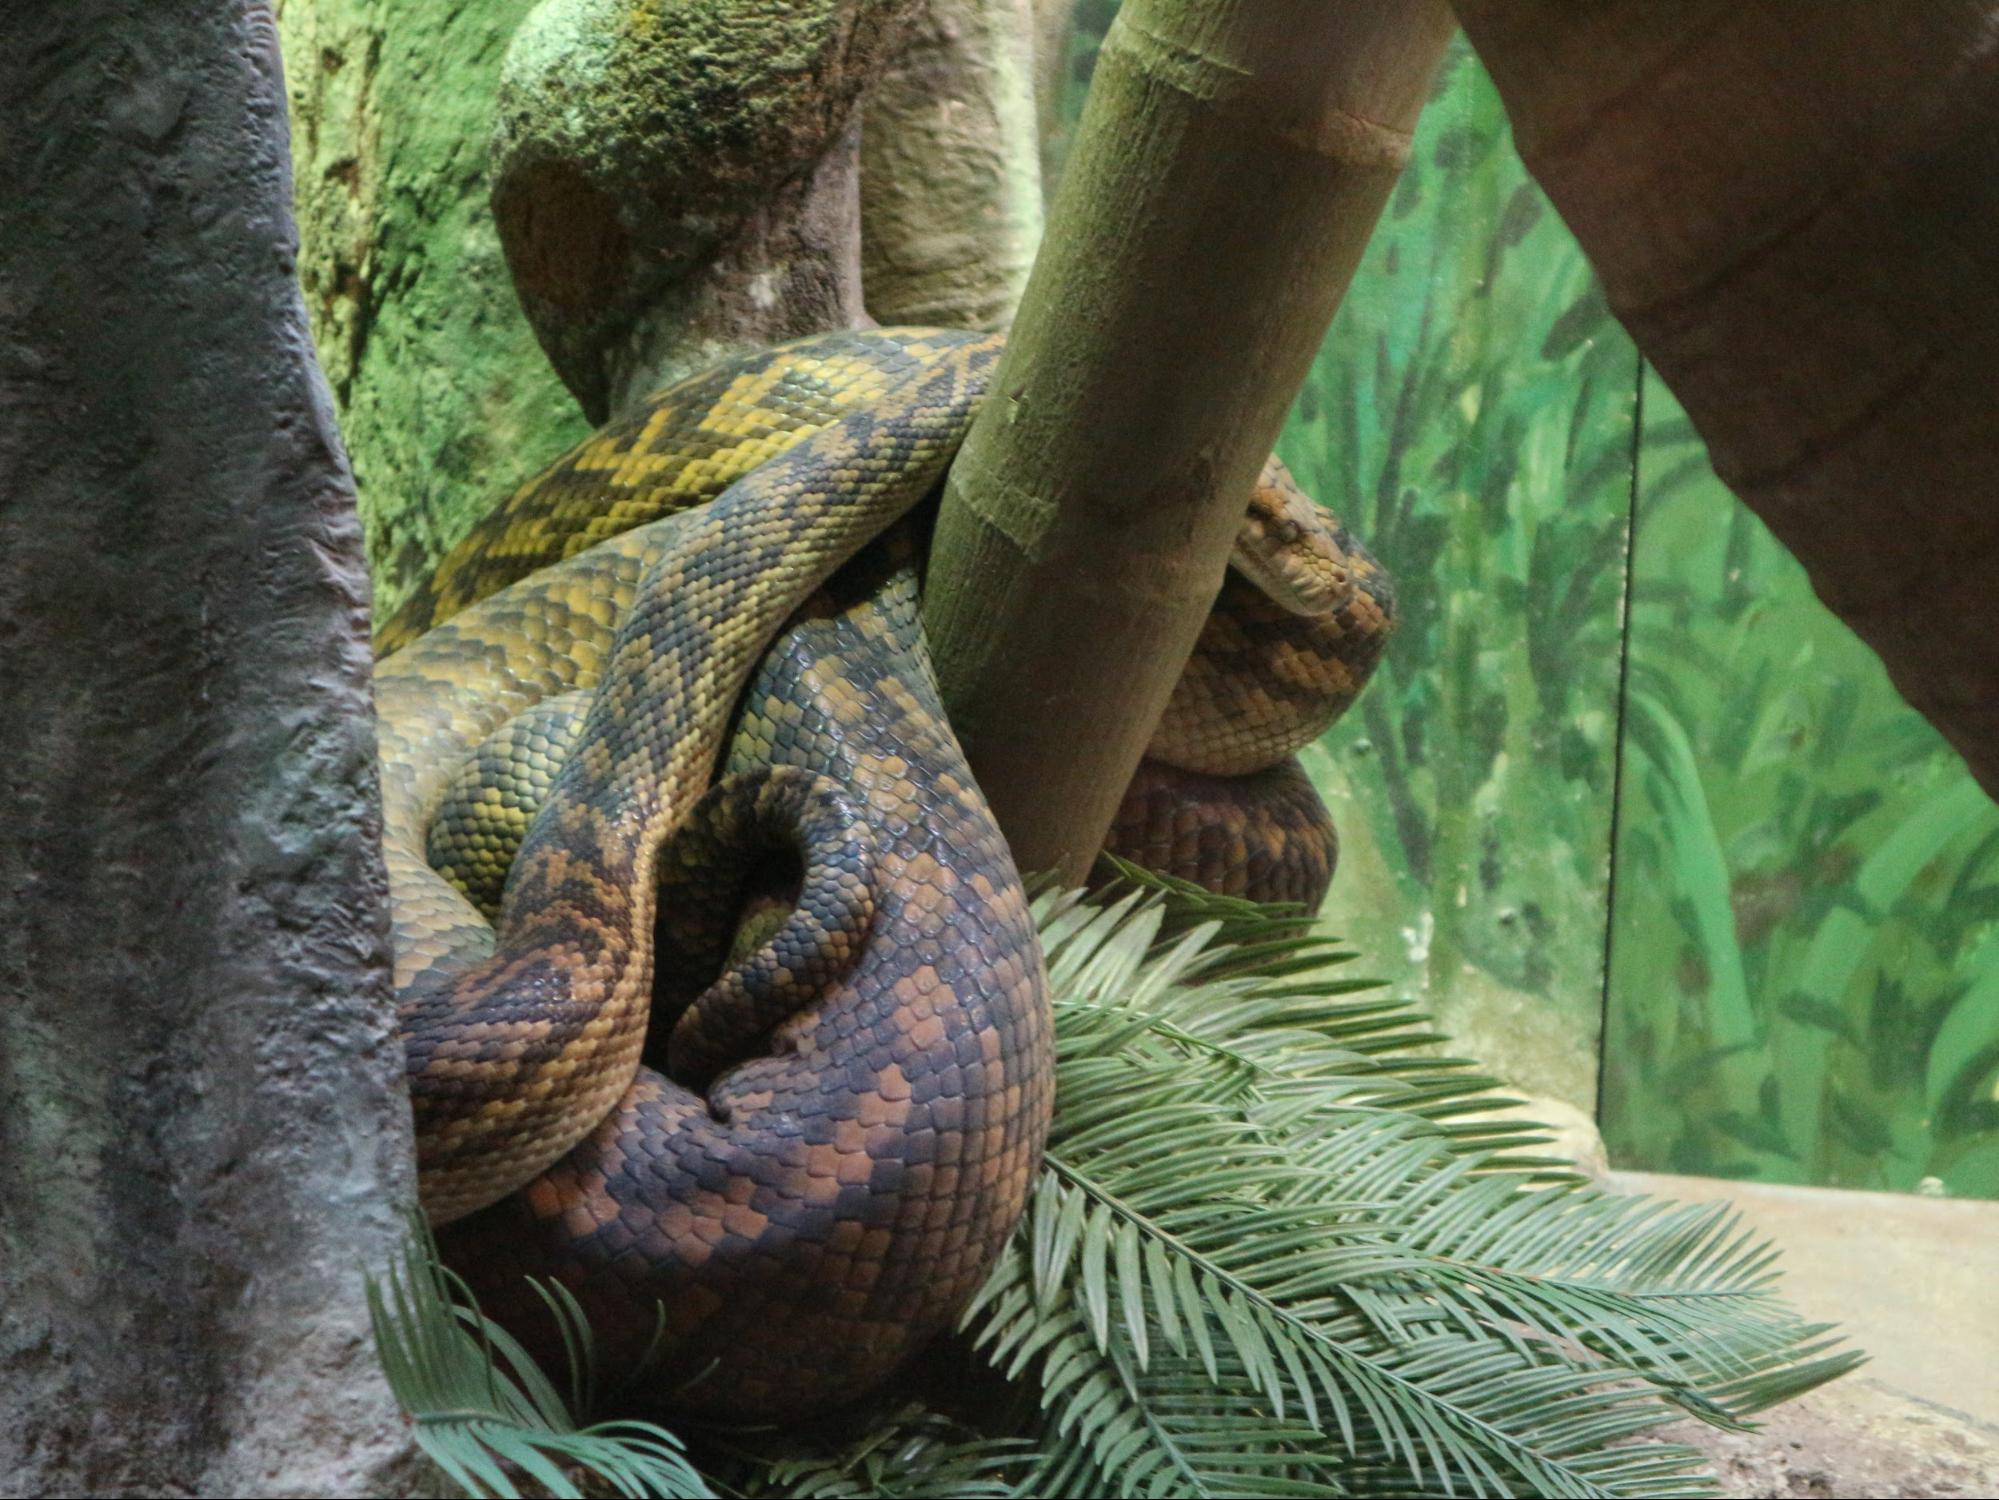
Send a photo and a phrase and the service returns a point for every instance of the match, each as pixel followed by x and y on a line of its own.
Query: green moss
pixel 445 398
pixel 634 138
pixel 679 108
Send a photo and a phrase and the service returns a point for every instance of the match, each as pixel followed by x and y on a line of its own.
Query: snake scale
pixel 754 1052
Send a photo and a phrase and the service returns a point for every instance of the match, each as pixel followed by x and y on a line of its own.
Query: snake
pixel 718 989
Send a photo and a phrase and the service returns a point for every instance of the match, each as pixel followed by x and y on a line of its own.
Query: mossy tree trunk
pixel 444 397
pixel 1794 209
pixel 204 1136
pixel 673 186
pixel 1230 163
pixel 711 204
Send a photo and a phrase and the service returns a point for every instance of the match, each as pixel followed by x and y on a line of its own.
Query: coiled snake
pixel 769 1173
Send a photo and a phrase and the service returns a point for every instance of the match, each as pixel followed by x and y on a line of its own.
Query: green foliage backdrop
pixel 1805 972
pixel 1471 417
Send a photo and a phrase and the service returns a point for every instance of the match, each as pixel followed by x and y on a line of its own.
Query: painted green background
pixel 1803 969
pixel 1471 416
pixel 1805 959
pixel 1803 927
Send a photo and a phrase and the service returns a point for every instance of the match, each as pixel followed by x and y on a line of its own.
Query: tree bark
pixel 1230 163
pixel 951 169
pixel 1794 210
pixel 204 1135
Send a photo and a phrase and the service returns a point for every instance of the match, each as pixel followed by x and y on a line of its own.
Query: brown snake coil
pixel 846 1118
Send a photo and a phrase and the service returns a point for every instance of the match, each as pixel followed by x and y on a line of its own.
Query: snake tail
pixel 711 870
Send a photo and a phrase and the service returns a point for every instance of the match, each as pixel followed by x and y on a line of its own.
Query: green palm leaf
pixel 1269 1210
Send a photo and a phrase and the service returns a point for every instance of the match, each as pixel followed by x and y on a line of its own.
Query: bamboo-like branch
pixel 1795 211
pixel 1231 161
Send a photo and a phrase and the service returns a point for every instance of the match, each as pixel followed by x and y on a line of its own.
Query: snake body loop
pixel 712 866
pixel 837 1120
pixel 513 1059
pixel 832 1201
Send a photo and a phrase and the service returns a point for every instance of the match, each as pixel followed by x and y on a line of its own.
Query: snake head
pixel 1291 549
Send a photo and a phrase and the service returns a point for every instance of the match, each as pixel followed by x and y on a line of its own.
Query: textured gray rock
pixel 1859 1439
pixel 203 1134
pixel 1907 1278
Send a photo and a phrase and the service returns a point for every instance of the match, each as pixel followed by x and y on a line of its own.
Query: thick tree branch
pixel 1230 164
pixel 204 1137
pixel 951 169
pixel 1795 212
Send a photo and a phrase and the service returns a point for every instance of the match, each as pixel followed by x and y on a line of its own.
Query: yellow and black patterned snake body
pixel 836 1129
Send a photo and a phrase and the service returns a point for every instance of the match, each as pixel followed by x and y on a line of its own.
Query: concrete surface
pixel 1912 1281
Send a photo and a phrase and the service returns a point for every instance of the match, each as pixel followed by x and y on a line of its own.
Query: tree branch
pixel 673 189
pixel 951 169
pixel 1231 161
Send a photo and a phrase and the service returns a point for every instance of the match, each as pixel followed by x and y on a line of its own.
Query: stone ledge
pixel 1910 1281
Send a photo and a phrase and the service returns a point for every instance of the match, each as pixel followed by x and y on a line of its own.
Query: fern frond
pixel 484 1411
pixel 1119 1425
pixel 1269 1209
